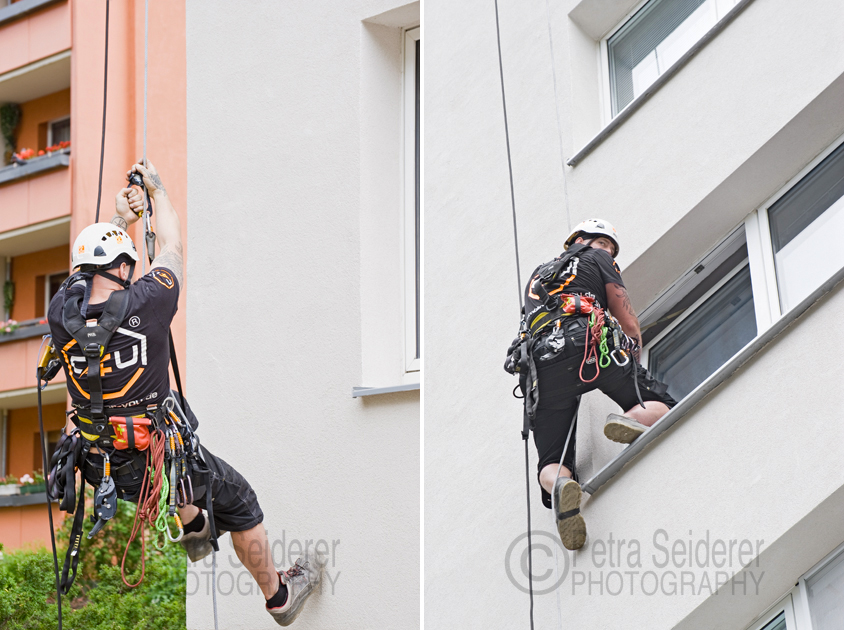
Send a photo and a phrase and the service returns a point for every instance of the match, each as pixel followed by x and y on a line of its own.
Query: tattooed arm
pixel 168 229
pixel 622 310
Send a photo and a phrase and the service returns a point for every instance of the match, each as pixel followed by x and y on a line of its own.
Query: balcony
pixel 38 189
pixel 33 30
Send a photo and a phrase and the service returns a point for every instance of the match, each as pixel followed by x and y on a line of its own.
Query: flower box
pixel 33 488
pixel 9 489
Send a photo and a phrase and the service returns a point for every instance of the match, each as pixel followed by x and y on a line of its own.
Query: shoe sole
pixel 572 530
pixel 622 432
pixel 296 610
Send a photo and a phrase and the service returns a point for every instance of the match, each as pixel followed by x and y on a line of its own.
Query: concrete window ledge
pixel 34 166
pixel 640 100
pixel 18 500
pixel 357 392
pixel 26 332
pixel 701 391
pixel 23 8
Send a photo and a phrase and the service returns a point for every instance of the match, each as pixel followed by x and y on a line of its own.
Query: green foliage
pixel 99 600
pixel 10 116
pixel 9 296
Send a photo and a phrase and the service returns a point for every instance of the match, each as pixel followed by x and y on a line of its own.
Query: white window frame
pixel 785 605
pixel 795 603
pixel 760 257
pixel 645 353
pixel 412 363
pixel 759 221
pixel 606 88
pixel 50 128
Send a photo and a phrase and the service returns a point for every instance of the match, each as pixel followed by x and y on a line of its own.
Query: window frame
pixel 760 258
pixel 411 194
pixel 645 352
pixel 765 255
pixel 784 605
pixel 606 85
pixel 795 603
pixel 47 288
pixel 50 124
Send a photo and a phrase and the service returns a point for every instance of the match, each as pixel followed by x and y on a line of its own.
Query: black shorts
pixel 560 386
pixel 236 506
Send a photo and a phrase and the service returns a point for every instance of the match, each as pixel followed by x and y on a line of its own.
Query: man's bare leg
pixel 549 474
pixel 253 549
pixel 652 412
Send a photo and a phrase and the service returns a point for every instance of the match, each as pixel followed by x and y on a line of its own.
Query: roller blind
pixel 638 39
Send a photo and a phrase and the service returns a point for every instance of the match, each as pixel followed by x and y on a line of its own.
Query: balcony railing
pixel 25 330
pixel 22 8
pixel 34 166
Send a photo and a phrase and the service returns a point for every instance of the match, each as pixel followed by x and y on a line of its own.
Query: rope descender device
pixel 105 498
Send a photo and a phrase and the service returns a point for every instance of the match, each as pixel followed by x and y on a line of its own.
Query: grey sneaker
pixel 570 523
pixel 198 544
pixel 301 579
pixel 623 429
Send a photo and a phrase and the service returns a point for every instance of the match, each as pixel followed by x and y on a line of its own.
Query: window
pixel 769 265
pixel 412 198
pixel 815 603
pixel 823 590
pixel 45 288
pixel 806 224
pixel 704 320
pixel 652 40
pixel 58 131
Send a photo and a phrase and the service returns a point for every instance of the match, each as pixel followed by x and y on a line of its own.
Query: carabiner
pixel 181 495
pixel 623 353
pixel 181 530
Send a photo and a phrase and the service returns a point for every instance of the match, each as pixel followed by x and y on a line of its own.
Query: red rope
pixel 148 498
pixel 591 350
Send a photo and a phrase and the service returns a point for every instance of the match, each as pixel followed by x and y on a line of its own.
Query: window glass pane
pixel 826 596
pixel 777 624
pixel 61 131
pixel 633 54
pixel 707 338
pixel 806 224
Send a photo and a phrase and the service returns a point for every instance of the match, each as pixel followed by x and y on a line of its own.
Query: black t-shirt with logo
pixel 593 269
pixel 135 365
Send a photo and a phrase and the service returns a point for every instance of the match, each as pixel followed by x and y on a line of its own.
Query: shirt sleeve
pixel 158 291
pixel 609 270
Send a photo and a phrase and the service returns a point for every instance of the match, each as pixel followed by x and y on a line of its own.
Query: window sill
pixel 34 166
pixel 18 500
pixel 357 392
pixel 22 9
pixel 726 371
pixel 27 330
pixel 640 100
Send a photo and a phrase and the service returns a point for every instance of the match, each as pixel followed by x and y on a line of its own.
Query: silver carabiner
pixel 623 353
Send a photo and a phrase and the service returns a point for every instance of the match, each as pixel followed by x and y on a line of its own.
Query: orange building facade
pixel 51 69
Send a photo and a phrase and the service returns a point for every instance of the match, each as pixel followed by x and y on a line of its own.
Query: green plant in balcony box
pixel 10 116
pixel 9 295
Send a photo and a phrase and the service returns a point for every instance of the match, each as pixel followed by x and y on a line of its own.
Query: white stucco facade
pixel 757 459
pixel 296 295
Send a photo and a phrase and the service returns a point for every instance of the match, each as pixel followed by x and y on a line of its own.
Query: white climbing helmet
pixel 99 244
pixel 594 226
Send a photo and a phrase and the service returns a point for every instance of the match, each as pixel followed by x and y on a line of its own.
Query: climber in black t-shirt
pixel 134 375
pixel 562 300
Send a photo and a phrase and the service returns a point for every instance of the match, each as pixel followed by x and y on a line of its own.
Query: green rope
pixel 604 361
pixel 161 520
